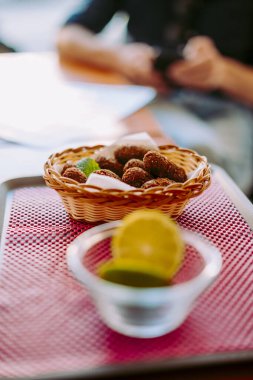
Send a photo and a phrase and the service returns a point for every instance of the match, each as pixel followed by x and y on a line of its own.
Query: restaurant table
pixel 47 66
pixel 218 366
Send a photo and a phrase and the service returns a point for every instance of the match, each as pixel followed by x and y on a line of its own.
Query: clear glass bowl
pixel 143 312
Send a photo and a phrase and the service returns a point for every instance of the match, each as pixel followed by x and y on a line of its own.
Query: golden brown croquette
pixel 110 164
pixel 133 163
pixel 136 177
pixel 67 166
pixel 76 174
pixel 160 166
pixel 127 152
pixel 108 173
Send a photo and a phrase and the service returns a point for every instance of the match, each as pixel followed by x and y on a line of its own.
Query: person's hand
pixel 135 61
pixel 202 68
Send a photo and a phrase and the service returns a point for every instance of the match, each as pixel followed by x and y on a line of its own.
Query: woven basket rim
pixel 63 184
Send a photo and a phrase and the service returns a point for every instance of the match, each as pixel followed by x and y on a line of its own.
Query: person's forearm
pixel 237 81
pixel 77 43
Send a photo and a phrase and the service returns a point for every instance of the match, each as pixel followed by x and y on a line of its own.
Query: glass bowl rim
pixel 210 254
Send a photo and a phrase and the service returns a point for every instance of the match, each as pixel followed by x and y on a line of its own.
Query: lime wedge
pixel 87 166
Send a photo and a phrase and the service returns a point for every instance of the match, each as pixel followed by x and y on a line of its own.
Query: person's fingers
pixel 204 75
pixel 189 69
pixel 140 51
pixel 200 47
pixel 147 50
pixel 150 78
pixel 137 62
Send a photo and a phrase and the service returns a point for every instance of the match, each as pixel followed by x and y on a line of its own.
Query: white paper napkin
pixel 106 182
pixel 141 138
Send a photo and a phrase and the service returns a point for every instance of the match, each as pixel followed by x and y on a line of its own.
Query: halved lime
pixel 132 272
pixel 150 236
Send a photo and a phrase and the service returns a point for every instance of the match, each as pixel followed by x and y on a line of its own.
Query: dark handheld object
pixel 166 57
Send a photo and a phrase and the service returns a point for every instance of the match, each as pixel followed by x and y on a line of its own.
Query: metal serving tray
pixel 48 325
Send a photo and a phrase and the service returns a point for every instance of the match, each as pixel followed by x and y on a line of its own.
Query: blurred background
pixel 31 25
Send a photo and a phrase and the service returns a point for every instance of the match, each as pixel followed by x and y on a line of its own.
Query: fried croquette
pixel 108 173
pixel 67 166
pixel 157 182
pixel 160 166
pixel 133 163
pixel 127 152
pixel 76 174
pixel 110 164
pixel 136 177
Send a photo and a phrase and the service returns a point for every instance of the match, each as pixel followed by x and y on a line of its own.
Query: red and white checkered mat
pixel 48 323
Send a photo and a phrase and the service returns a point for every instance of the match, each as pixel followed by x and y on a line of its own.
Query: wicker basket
pixel 108 204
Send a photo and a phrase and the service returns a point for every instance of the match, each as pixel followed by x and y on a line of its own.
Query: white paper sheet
pixel 122 100
pixel 48 111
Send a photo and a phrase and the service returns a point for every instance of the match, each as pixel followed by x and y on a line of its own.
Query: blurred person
pixel 209 77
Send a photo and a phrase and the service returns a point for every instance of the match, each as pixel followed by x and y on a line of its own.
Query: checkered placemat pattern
pixel 48 323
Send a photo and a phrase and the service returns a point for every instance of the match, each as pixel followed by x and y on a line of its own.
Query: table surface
pixel 135 122
pixel 47 66
pixel 31 161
